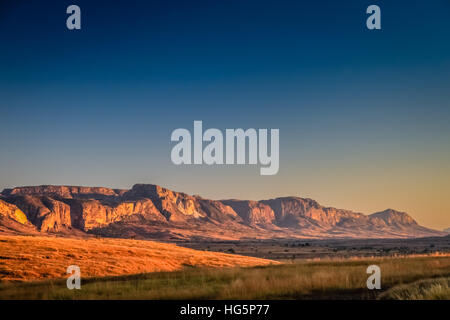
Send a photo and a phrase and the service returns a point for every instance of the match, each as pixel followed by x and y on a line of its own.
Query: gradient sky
pixel 364 116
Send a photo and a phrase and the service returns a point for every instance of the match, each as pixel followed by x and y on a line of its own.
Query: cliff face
pixel 252 212
pixel 151 211
pixel 49 214
pixel 294 211
pixel 175 206
pixel 10 211
pixel 92 214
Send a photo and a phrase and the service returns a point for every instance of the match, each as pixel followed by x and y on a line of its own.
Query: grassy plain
pixel 317 279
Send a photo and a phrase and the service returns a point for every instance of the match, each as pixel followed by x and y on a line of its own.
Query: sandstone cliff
pixel 252 212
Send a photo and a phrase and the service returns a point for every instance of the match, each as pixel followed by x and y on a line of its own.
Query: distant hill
pixel 149 211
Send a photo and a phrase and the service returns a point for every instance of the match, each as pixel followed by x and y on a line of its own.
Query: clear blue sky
pixel 363 115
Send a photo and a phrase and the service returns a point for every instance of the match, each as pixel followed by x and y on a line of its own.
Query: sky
pixel 363 114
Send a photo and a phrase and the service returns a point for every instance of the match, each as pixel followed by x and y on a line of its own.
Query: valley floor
pixel 297 250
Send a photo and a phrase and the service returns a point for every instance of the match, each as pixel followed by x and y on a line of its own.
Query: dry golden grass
pixel 136 269
pixel 326 279
pixel 27 258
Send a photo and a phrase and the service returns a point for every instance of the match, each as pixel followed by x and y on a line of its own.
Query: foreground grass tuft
pixel 431 289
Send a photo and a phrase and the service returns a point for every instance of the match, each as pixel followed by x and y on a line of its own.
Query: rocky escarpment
pixel 299 213
pixel 252 212
pixel 175 206
pixel 67 192
pixel 151 211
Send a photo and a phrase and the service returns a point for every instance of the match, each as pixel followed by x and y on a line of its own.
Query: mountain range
pixel 148 211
